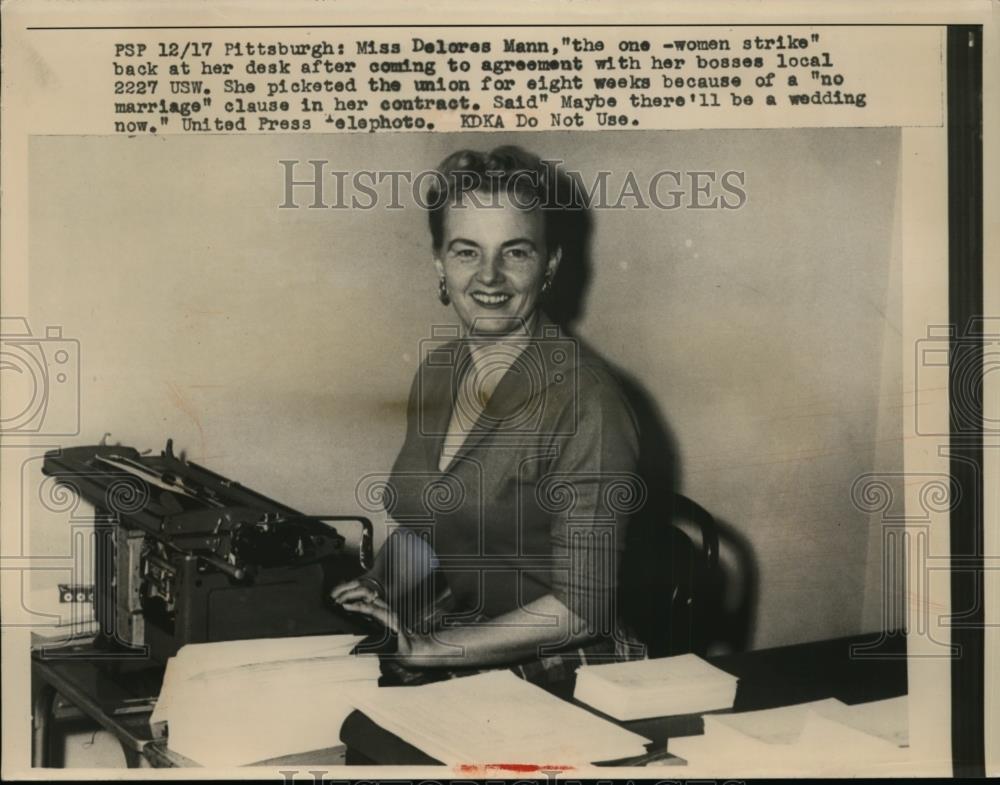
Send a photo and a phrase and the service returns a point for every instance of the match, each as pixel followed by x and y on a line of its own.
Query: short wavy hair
pixel 526 179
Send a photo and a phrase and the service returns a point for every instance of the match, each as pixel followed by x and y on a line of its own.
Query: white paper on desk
pixel 236 716
pixel 682 684
pixel 765 738
pixel 817 739
pixel 238 702
pixel 854 740
pixel 778 726
pixel 829 746
pixel 493 718
pixel 197 658
pixel 682 671
pixel 885 719
pixel 224 654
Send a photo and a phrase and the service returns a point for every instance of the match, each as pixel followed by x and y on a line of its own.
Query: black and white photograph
pixel 498 442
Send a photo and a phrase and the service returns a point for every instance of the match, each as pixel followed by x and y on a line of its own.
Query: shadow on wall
pixel 669 593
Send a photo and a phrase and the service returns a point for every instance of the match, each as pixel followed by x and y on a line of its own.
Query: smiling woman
pixel 494 264
pixel 514 487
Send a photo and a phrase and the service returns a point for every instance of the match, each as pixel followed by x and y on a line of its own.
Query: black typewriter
pixel 185 555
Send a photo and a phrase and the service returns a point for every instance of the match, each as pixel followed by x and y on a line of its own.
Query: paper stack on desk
pixel 685 684
pixel 857 739
pixel 496 718
pixel 808 738
pixel 239 702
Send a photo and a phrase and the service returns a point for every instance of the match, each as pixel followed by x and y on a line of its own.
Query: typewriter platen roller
pixel 184 555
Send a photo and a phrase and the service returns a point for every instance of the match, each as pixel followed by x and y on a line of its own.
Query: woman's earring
pixel 443 292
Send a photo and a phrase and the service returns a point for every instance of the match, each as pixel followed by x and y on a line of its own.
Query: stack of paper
pixel 496 718
pixel 857 739
pixel 239 702
pixel 808 738
pixel 685 684
pixel 885 720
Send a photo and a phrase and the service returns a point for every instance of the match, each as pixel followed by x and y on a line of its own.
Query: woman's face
pixel 494 262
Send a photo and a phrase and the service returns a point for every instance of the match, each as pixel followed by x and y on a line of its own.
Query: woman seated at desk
pixel 513 489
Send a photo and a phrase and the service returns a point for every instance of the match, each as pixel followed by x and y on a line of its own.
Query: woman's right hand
pixel 362 590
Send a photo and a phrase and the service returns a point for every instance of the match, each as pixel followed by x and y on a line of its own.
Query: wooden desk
pixel 118 695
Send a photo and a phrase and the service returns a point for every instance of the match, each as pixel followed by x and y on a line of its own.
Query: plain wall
pixel 277 346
